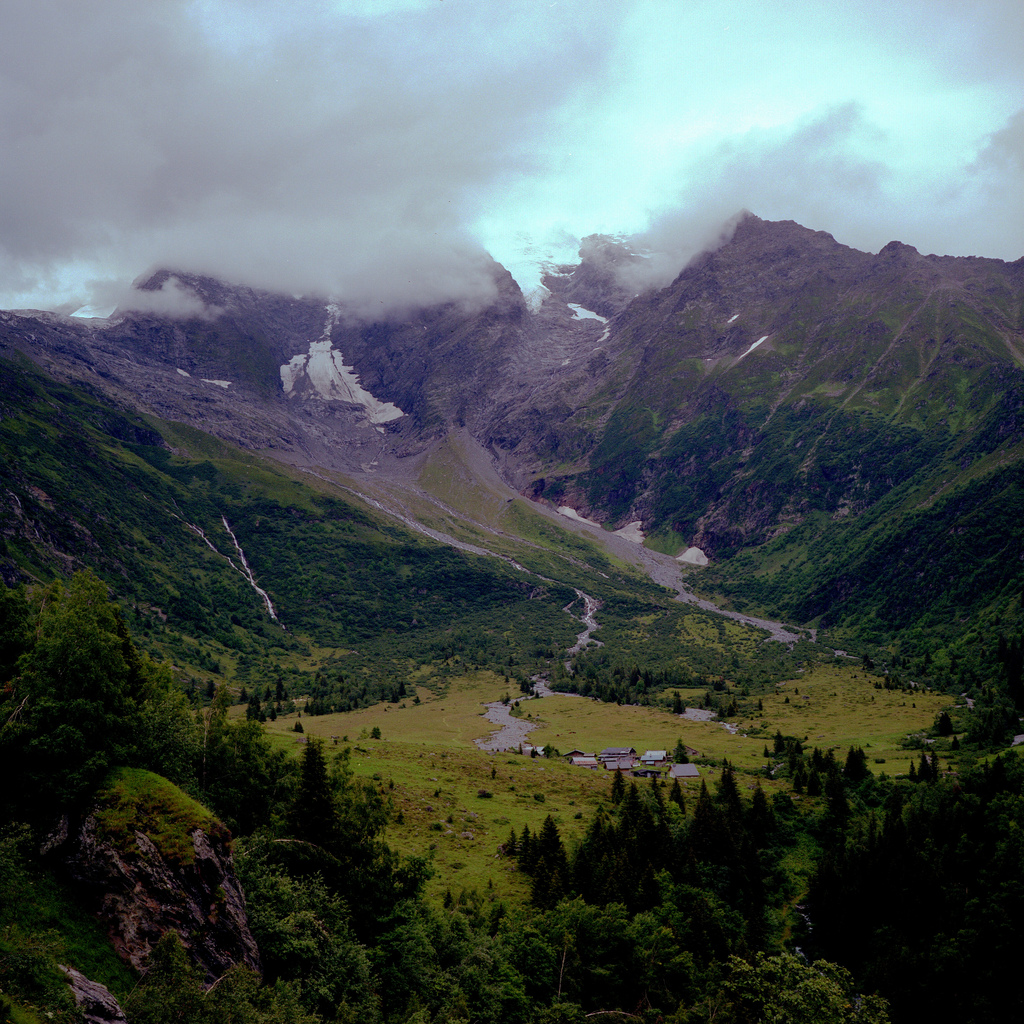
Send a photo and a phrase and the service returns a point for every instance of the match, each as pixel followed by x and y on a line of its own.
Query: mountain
pixel 838 432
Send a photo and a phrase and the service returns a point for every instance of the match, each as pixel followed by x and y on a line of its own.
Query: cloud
pixel 814 172
pixel 294 146
pixel 172 298
pixel 361 149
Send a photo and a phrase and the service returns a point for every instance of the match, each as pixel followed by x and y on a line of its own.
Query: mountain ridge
pixel 781 382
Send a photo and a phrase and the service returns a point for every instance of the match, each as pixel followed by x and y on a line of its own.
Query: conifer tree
pixel 675 796
pixel 728 794
pixel 550 867
pixel 659 799
pixel 527 851
pixel 708 834
pixel 618 786
pixel 313 816
pixel 760 818
pixel 856 768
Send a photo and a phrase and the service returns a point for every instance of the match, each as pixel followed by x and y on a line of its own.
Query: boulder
pixel 142 884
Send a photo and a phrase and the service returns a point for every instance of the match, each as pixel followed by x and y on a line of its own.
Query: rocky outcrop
pixel 94 1001
pixel 141 894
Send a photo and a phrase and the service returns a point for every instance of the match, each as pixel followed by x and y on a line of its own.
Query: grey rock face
pixel 94 1000
pixel 141 895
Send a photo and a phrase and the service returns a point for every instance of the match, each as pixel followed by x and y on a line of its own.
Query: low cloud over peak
pixel 377 151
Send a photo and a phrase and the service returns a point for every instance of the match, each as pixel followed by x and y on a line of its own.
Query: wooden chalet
pixel 618 754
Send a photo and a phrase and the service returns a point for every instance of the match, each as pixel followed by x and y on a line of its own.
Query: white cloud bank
pixel 374 151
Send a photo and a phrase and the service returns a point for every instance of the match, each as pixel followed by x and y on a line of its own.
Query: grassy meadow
pixel 427 763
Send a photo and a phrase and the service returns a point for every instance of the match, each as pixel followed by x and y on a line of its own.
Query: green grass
pixel 426 763
pixel 838 706
pixel 134 800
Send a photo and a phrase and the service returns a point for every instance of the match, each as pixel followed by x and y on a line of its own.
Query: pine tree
pixel 254 710
pixel 709 836
pixel 313 815
pixel 675 796
pixel 527 851
pixel 760 818
pixel 551 866
pixel 618 786
pixel 856 769
pixel 728 794
pixel 659 799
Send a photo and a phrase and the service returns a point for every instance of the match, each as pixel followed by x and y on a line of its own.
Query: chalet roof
pixel 617 752
pixel 622 764
pixel 655 755
pixel 683 771
pixel 585 761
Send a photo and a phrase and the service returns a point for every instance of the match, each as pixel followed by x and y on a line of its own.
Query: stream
pixel 247 572
pixel 244 571
pixel 590 623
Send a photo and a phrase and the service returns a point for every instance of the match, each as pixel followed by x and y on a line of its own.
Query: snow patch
pixel 733 317
pixel 219 383
pixel 323 371
pixel 586 314
pixel 91 312
pixel 535 297
pixel 752 347
pixel 693 556
pixel 631 532
pixel 184 373
pixel 571 513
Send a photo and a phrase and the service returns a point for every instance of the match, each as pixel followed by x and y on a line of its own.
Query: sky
pixel 379 151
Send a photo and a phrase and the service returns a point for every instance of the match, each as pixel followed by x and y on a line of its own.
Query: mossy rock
pixel 134 800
